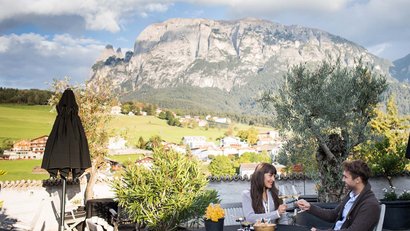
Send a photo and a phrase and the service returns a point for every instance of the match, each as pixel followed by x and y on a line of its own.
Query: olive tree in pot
pixel 330 104
pixel 165 194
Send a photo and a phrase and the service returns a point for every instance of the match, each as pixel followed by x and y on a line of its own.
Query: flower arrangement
pixel 391 195
pixel 214 212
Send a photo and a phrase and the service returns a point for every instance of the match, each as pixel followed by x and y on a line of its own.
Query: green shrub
pixel 405 196
pixel 162 197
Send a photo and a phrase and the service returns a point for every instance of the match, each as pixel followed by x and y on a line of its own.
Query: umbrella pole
pixel 61 228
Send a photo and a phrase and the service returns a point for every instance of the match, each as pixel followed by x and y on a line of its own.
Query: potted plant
pixel 214 217
pixel 163 196
pixel 397 209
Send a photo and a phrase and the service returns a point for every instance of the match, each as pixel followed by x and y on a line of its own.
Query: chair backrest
pixel 379 226
pixel 232 212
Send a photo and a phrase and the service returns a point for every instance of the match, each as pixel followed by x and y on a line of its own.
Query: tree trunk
pixel 331 188
pixel 89 190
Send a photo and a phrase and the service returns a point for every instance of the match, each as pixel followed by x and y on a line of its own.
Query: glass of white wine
pixel 283 193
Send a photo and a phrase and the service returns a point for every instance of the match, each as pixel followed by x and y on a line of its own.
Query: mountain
pixel 220 65
pixel 401 69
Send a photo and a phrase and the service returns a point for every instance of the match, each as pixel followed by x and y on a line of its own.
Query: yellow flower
pixel 214 212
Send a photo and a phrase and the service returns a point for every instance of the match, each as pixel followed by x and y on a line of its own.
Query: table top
pixel 278 228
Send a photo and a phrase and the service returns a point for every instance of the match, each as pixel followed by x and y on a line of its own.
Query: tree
pixel 141 143
pixel 299 151
pixel 95 102
pixel 127 107
pixel 250 135
pixel 251 157
pixel 221 166
pixel 153 142
pixel 385 152
pixel 332 105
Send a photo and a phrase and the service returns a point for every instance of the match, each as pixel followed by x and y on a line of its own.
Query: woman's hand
pixel 282 208
pixel 303 205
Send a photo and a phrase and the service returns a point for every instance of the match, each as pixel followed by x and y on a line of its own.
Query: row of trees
pixel 31 96
pixel 229 165
pixel 137 107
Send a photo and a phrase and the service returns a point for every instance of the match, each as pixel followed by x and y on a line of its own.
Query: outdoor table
pixel 278 228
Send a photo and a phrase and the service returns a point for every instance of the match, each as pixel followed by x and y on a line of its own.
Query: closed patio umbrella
pixel 66 152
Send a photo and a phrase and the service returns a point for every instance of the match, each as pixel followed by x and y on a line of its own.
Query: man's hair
pixel 358 168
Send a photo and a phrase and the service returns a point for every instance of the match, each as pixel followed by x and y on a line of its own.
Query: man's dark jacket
pixel 363 215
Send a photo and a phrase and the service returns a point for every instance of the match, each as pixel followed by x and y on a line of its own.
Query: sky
pixel 43 40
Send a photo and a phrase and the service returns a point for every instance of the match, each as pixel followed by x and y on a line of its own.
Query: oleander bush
pixel 166 194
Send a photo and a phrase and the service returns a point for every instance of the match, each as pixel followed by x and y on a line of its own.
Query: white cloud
pixel 98 15
pixel 366 22
pixel 31 60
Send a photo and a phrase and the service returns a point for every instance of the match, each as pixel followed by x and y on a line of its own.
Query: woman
pixel 262 200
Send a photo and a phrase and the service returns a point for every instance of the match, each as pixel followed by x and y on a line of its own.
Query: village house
pixel 116 110
pixel 230 141
pixel 175 147
pixel 38 145
pixel 194 141
pixel 22 147
pixel 27 149
pixel 247 169
pixel 115 143
pixel 146 161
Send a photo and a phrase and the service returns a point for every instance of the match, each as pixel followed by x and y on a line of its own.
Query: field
pixel 28 122
pixel 21 170
pixel 132 127
pixel 19 122
pixel 25 122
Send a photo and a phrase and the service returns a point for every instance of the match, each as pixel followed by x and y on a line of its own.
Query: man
pixel 359 210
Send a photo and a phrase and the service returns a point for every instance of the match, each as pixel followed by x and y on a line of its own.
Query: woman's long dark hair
pixel 258 185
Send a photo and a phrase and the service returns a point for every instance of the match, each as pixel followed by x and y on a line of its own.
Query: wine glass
pixel 295 193
pixel 283 193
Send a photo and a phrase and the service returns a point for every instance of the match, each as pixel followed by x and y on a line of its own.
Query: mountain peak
pixel 249 54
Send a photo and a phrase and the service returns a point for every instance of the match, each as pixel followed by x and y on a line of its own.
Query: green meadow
pixel 132 127
pixel 21 170
pixel 19 122
pixel 24 121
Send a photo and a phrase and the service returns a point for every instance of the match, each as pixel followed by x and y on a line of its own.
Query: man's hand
pixel 282 208
pixel 303 205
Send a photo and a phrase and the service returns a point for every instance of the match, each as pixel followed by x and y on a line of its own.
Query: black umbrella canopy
pixel 67 147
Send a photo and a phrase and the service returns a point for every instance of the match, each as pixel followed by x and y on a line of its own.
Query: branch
pixel 325 148
pixel 322 143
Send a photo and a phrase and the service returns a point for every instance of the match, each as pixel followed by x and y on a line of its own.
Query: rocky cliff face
pixel 231 56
